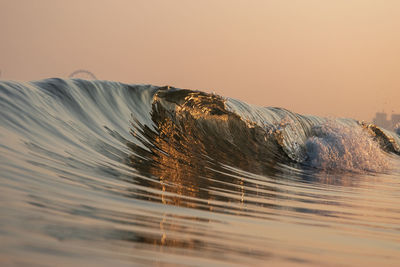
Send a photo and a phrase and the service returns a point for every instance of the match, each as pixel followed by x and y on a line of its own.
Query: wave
pixel 167 122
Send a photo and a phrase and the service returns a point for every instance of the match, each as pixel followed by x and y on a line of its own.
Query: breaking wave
pixel 220 128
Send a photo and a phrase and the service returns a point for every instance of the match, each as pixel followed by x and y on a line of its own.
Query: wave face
pixel 116 174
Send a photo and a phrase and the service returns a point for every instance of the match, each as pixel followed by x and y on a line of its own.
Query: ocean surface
pixel 99 173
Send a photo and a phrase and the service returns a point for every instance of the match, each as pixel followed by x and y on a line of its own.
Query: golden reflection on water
pixel 187 162
pixel 185 175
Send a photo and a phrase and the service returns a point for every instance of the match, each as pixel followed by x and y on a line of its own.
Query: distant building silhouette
pixel 381 119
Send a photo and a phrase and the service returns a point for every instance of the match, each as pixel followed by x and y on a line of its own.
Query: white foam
pixel 336 146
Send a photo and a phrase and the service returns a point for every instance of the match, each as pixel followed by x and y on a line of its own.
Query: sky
pixel 327 58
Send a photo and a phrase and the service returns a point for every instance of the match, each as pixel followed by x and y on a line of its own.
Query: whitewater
pixel 100 173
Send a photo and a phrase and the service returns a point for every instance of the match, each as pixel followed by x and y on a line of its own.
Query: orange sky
pixel 327 58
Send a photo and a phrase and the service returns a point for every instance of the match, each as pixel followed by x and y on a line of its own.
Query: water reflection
pixel 188 158
pixel 189 169
pixel 187 164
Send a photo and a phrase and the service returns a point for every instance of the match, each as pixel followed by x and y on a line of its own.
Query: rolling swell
pixel 204 125
pixel 172 170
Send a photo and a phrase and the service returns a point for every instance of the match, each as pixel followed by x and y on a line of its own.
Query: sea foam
pixel 336 146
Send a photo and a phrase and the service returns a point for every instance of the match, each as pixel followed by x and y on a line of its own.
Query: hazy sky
pixel 322 57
